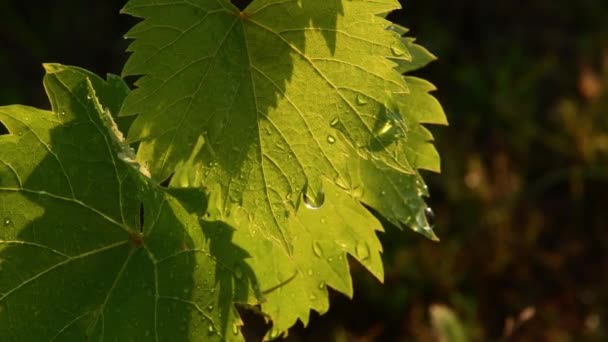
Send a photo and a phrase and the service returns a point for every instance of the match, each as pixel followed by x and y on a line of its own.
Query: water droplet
pixel 334 122
pixel 382 192
pixel 288 196
pixel 210 307
pixel 323 220
pixel 361 100
pixel 235 329
pixel 20 133
pixel 211 328
pixel 385 128
pixel 398 49
pixel 89 97
pixel 362 250
pixel 321 285
pixel 316 248
pixel 315 201
pixel 7 221
pixel 330 259
pixel 430 216
pixel 331 139
pixel 310 272
pixel 312 297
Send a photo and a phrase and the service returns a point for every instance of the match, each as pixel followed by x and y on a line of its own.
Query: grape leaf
pixel 90 248
pixel 250 100
pixel 272 108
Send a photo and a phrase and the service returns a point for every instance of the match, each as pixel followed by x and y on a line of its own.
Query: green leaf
pixel 294 284
pixel 90 248
pixel 280 108
pixel 250 100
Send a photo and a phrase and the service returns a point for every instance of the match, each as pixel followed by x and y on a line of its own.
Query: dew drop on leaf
pixel 316 248
pixel 361 100
pixel 334 122
pixel 211 328
pixel 310 272
pixel 7 221
pixel 331 139
pixel 210 307
pixel 430 216
pixel 235 329
pixel 385 128
pixel 312 201
pixel 321 285
pixel 362 250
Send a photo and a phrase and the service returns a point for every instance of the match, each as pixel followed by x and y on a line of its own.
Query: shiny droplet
pixel 210 307
pixel 385 128
pixel 362 250
pixel 331 139
pixel 89 97
pixel 310 272
pixel 321 285
pixel 7 221
pixel 316 248
pixel 430 216
pixel 334 122
pixel 211 329
pixel 312 200
pixel 361 99
pixel 235 329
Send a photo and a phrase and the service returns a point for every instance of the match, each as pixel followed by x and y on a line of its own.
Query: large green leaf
pixel 284 108
pixel 90 248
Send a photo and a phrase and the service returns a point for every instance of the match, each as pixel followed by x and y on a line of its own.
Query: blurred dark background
pixel 522 204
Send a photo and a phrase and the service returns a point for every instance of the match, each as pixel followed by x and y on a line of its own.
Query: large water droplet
pixel 331 139
pixel 385 128
pixel 361 99
pixel 362 250
pixel 316 248
pixel 312 200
